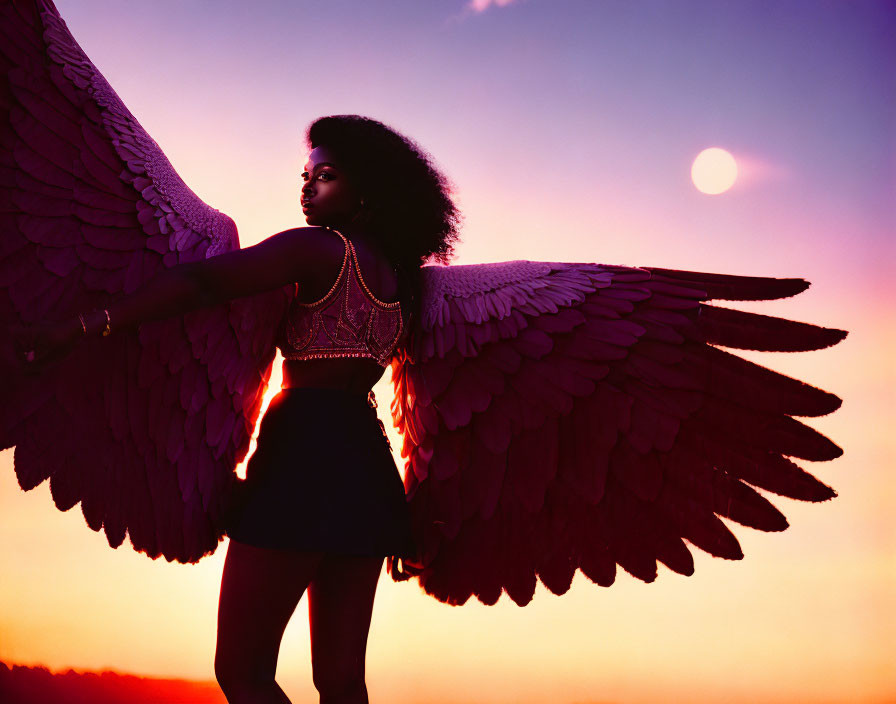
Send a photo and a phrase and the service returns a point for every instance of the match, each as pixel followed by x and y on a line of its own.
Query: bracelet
pixel 106 331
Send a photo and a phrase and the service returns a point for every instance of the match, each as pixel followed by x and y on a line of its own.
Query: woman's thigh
pixel 260 589
pixel 340 604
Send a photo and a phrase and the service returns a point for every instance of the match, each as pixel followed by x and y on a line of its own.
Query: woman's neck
pixel 362 233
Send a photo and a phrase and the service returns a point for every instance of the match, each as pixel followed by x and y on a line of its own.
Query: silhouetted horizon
pixel 29 684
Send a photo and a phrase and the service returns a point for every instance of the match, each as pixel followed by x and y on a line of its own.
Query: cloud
pixel 475 7
pixel 483 5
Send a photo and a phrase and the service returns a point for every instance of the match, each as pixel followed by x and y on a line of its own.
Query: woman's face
pixel 329 198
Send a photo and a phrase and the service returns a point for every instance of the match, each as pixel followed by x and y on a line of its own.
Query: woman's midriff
pixel 356 375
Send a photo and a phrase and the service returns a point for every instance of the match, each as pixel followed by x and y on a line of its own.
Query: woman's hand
pixel 43 343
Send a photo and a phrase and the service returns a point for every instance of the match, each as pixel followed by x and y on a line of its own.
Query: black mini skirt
pixel 322 478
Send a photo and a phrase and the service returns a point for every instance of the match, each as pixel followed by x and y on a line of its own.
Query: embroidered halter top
pixel 349 321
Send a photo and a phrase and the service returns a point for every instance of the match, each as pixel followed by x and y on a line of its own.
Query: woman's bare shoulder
pixel 297 254
pixel 306 247
pixel 306 236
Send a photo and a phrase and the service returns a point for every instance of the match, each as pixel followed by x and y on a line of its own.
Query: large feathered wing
pixel 564 416
pixel 144 428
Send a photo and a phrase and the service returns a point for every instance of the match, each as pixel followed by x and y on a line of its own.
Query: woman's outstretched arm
pixel 292 255
pixel 279 260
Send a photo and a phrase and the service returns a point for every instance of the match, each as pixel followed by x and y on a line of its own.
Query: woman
pixel 324 503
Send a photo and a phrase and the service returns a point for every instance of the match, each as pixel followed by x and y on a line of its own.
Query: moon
pixel 714 171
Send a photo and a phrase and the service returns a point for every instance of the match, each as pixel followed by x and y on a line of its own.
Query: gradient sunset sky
pixel 568 130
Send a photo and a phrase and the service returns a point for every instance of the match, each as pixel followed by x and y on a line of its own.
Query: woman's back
pixel 356 374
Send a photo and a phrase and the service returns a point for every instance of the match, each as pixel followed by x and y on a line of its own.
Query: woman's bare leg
pixel 340 603
pixel 260 589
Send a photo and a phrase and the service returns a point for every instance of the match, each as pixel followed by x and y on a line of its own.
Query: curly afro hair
pixel 407 198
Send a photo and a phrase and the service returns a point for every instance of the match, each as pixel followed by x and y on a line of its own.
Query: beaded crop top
pixel 349 321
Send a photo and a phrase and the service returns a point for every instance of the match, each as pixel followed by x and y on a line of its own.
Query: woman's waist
pixel 318 398
pixel 321 394
pixel 353 375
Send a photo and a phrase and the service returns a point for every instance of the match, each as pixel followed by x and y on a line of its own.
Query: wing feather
pixel 561 416
pixel 143 428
